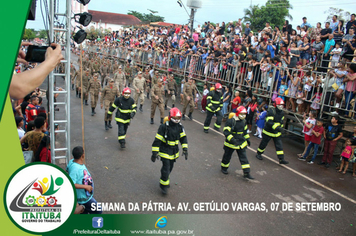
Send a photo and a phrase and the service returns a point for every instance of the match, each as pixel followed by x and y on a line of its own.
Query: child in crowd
pixel 309 124
pixel 315 140
pixel 82 180
pixel 269 81
pixel 251 109
pixel 249 77
pixel 345 156
pixel 336 52
pixel 43 153
pixel 261 117
pixel 19 124
pixel 316 100
pixel 282 89
pixel 300 99
pixel 197 96
pixel 203 101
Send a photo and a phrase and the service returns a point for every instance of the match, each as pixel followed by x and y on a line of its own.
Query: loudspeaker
pixel 32 13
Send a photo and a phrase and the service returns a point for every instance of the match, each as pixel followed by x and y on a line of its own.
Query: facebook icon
pixel 98 222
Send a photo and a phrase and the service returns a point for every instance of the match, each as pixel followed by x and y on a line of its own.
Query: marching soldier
pixel 120 79
pixel 165 145
pixel 172 89
pixel 84 88
pixel 139 85
pixel 237 139
pixel 94 89
pixel 78 82
pixel 95 66
pixel 73 74
pixel 126 110
pixel 104 70
pixel 189 90
pixel 214 105
pixel 146 75
pixel 128 74
pixel 157 100
pixel 273 129
pixel 115 67
pixel 108 96
pixel 155 77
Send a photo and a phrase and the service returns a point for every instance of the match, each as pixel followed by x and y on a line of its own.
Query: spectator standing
pixel 251 109
pixel 351 23
pixel 309 124
pixel 324 33
pixel 334 23
pixel 236 102
pixel 19 125
pixel 226 101
pixel 339 32
pixel 205 95
pixel 305 23
pixel 43 153
pixel 315 140
pixel 31 110
pixel 261 118
pixel 345 156
pixel 332 133
pixel 350 89
pixel 315 32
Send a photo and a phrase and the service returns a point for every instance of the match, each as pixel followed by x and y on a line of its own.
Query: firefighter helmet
pixel 218 86
pixel 279 103
pixel 175 115
pixel 126 93
pixel 241 112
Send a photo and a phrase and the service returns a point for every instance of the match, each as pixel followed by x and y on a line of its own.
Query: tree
pixel 341 14
pixel 42 34
pixel 29 34
pixel 274 12
pixel 146 17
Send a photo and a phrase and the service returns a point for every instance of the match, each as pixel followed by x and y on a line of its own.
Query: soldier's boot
pixel 106 125
pixel 183 117
pixel 161 120
pixel 80 94
pixel 283 162
pixel 148 95
pixel 129 85
pixel 259 157
pixel 164 189
pixel 248 176
pixel 190 116
pixel 140 108
pixel 92 111
pixel 76 92
pixel 224 170
pixel 72 86
pixel 165 107
pixel 173 105
pixel 109 125
pixel 86 102
pixel 151 121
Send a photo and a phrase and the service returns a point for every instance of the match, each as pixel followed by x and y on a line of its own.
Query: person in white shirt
pixel 19 124
pixel 336 52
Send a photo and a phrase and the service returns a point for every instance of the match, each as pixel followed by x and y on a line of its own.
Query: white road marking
pixel 291 169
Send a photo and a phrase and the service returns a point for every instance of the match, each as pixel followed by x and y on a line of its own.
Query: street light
pixel 84 18
pixel 80 36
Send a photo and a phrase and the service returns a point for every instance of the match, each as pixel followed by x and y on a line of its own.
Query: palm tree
pixel 250 13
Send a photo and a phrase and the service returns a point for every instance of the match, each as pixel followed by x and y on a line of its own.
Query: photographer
pixel 25 82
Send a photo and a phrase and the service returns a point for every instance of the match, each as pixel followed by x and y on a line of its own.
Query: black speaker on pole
pixel 32 13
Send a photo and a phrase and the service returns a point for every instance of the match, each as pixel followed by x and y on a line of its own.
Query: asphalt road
pixel 128 175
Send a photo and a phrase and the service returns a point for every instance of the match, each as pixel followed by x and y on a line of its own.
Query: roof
pixel 163 24
pixel 114 18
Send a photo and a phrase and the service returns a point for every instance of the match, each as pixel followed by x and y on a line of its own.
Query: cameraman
pixel 25 82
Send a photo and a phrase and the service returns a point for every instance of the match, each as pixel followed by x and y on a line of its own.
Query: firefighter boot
pixel 173 105
pixel 163 189
pixel 140 108
pixel 161 120
pixel 109 125
pixel 224 170
pixel 283 162
pixel 106 125
pixel 248 176
pixel 151 121
pixel 190 116
pixel 259 157
pixel 122 145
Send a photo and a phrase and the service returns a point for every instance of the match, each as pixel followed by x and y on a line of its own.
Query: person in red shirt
pixel 315 140
pixel 31 110
pixel 235 103
pixel 43 153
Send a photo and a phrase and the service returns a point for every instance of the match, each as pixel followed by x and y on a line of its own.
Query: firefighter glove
pixel 133 114
pixel 248 142
pixel 154 156
pixel 185 153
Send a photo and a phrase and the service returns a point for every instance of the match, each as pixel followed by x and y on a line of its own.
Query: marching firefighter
pixel 157 100
pixel 172 88
pixel 165 145
pixel 237 139
pixel 214 105
pixel 126 110
pixel 273 129
pixel 108 96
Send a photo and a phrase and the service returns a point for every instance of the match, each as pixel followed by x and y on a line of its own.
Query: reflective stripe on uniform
pixel 276 125
pixel 245 166
pixel 229 145
pixel 245 127
pixel 227 128
pixel 160 137
pixel 229 137
pixel 170 157
pixel 271 134
pixel 134 105
pixel 164 182
pixel 155 149
pixel 109 112
pixel 280 153
pixel 125 111
pixel 208 108
pixel 247 136
pixel 182 134
pixel 225 165
pixel 184 145
pixel 260 150
pixel 215 102
pixel 209 97
pixel 114 106
pixel 122 137
pixel 217 126
pixel 206 127
pixel 173 143
pixel 122 121
pixel 269 118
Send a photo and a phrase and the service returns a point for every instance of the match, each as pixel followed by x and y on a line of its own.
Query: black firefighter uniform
pixel 214 106
pixel 166 142
pixel 126 110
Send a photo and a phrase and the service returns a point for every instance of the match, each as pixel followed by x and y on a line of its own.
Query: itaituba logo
pixel 42 200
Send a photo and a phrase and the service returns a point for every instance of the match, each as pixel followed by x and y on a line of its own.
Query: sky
pixel 214 11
